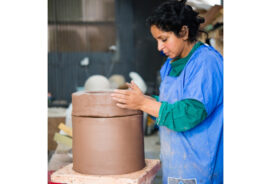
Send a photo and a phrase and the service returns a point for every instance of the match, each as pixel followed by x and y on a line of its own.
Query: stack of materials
pixel 107 140
pixel 66 137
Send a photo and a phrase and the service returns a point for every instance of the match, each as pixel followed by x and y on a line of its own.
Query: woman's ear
pixel 184 33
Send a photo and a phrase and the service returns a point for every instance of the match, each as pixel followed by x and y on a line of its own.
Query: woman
pixel 189 109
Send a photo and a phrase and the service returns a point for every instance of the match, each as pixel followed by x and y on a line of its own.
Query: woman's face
pixel 168 42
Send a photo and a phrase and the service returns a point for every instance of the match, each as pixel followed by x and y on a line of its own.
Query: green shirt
pixel 185 114
pixel 178 65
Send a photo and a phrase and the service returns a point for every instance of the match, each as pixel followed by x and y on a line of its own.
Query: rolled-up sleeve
pixel 182 115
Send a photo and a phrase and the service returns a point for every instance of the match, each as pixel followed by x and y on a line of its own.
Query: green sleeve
pixel 156 97
pixel 182 115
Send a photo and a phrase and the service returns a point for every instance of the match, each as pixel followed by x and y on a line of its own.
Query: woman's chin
pixel 171 56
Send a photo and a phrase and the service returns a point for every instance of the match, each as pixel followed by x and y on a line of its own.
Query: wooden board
pixel 144 176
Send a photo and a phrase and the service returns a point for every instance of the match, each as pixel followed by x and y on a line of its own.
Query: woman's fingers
pixel 119 95
pixel 134 85
pixel 120 100
pixel 129 84
pixel 129 99
pixel 121 105
pixel 120 91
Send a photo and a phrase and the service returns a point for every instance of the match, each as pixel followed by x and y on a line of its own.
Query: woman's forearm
pixel 150 106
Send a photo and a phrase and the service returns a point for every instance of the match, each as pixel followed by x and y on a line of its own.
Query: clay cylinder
pixel 107 140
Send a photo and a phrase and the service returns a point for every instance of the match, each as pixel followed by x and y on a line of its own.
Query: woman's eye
pixel 164 40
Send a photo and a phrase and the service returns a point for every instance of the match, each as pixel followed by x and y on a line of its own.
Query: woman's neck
pixel 187 48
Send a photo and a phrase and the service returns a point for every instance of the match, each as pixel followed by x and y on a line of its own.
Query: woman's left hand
pixel 130 99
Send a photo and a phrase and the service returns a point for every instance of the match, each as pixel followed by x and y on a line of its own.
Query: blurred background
pixel 112 38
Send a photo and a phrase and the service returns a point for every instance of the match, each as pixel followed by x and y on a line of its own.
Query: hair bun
pixel 200 20
pixel 182 1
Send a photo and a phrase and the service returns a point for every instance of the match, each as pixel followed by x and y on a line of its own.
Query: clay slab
pixel 98 104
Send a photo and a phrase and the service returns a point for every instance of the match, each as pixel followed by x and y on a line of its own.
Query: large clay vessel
pixel 107 140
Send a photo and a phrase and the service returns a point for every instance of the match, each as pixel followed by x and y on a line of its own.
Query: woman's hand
pixel 131 99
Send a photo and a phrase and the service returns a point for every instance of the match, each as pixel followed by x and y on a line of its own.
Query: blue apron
pixel 196 155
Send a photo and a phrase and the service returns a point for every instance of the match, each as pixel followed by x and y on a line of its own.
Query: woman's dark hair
pixel 172 15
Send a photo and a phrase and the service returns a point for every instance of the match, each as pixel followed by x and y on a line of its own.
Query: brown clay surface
pixel 103 146
pixel 97 104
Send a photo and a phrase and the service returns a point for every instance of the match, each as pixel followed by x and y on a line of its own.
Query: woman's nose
pixel 160 46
